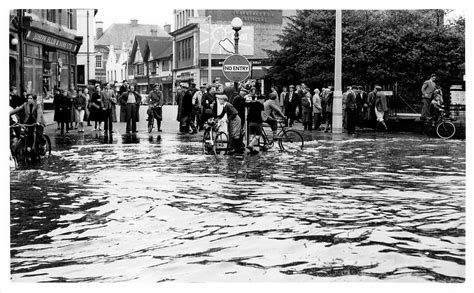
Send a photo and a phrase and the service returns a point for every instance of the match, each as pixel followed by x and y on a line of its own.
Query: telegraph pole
pixel 337 100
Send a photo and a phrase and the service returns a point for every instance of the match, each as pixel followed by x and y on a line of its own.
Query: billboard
pixel 224 34
pixel 258 16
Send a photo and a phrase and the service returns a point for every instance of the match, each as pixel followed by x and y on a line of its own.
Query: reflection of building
pixel 43 49
pixel 195 35
pixel 118 39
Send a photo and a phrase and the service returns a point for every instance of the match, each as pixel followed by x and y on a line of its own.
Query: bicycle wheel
pixel 221 144
pixel 445 129
pixel 206 143
pixel 150 124
pixel 291 141
pixel 47 145
pixel 265 143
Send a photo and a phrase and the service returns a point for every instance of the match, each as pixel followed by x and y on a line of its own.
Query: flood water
pixel 152 209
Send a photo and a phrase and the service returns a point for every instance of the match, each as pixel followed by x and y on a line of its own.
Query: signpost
pixel 236 68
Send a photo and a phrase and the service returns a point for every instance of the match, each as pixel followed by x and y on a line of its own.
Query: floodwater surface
pixel 154 208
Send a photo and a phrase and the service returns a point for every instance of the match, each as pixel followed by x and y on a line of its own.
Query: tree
pixel 403 46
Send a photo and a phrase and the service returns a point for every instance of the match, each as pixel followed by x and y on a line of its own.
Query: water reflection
pixel 149 209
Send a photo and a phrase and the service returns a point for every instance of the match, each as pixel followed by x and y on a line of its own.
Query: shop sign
pixel 50 41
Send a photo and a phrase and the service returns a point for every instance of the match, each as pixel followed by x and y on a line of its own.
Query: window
pixel 153 67
pixel 140 69
pixel 70 22
pixel 51 15
pixel 185 49
pixel 166 65
pixel 98 61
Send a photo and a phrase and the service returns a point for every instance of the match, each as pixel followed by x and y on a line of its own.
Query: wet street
pixel 153 208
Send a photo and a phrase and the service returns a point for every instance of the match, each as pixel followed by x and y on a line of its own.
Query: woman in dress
pixel 95 109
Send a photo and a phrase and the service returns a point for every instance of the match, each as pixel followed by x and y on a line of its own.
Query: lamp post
pixel 209 58
pixel 236 26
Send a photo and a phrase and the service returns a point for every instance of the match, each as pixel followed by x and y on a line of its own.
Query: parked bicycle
pixel 25 152
pixel 443 126
pixel 214 141
pixel 289 140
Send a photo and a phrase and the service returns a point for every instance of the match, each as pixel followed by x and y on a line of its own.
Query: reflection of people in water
pixel 130 138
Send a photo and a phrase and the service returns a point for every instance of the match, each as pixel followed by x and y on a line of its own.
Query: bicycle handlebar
pixel 23 125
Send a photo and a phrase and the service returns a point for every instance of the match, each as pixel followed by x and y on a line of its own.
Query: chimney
pixel 99 29
pixel 154 32
pixel 134 22
pixel 167 28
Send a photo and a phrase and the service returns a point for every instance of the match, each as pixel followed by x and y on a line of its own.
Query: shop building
pixel 43 49
pixel 159 54
pixel 201 35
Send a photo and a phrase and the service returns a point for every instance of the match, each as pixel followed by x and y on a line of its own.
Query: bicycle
pixel 151 118
pixel 214 141
pixel 289 140
pixel 20 150
pixel 442 126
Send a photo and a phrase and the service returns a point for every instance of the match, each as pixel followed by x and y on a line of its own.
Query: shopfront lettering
pixel 50 41
pixel 248 16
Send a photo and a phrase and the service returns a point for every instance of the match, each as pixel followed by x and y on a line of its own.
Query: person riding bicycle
pixel 270 113
pixel 255 120
pixel 33 114
pixel 436 106
pixel 155 104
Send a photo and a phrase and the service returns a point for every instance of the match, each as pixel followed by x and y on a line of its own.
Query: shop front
pixel 49 61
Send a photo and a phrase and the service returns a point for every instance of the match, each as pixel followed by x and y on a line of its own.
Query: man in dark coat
pixel 351 111
pixel 130 101
pixel 123 87
pixel 187 111
pixel 290 106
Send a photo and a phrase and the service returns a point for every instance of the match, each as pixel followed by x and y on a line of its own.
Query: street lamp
pixel 236 26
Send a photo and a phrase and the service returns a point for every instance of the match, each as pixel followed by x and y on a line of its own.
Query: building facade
pixel 114 45
pixel 44 44
pixel 201 35
pixel 86 56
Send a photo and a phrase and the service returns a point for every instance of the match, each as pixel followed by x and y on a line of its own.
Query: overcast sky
pixel 123 14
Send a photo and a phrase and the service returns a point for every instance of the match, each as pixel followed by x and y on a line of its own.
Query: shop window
pixel 98 61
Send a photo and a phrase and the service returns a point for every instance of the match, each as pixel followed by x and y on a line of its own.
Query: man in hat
pixel 155 104
pixel 187 111
pixel 380 107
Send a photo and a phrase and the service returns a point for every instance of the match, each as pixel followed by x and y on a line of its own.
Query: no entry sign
pixel 236 68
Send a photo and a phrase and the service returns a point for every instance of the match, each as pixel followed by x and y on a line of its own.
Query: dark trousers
pixel 131 117
pixel 317 120
pixel 425 110
pixel 108 120
pixel 351 119
pixel 63 123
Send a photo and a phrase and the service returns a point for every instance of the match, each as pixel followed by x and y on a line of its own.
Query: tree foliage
pixel 388 46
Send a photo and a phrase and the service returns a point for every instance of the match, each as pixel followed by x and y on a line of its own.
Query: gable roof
pixel 159 49
pixel 119 33
pixel 140 43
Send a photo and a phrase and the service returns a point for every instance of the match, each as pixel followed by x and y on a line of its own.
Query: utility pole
pixel 88 68
pixel 337 100
pixel 209 59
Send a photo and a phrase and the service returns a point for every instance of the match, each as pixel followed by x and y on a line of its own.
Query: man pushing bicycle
pixel 155 104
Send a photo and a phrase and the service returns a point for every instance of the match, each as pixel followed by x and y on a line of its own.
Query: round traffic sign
pixel 236 68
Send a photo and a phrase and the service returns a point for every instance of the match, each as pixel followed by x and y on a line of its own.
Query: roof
pixel 140 43
pixel 160 48
pixel 119 33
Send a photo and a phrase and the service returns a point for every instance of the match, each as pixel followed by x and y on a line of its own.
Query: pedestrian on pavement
pixel 97 114
pixel 88 106
pixel 306 110
pixel 351 110
pixel 372 118
pixel 107 99
pixel 64 111
pixel 362 106
pixel 281 99
pixel 130 102
pixel 297 102
pixel 197 104
pixel 380 107
pixel 155 105
pixel 234 123
pixel 329 100
pixel 79 106
pixel 56 103
pixel 290 106
pixel 72 95
pixel 429 86
pixel 317 109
